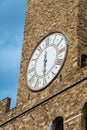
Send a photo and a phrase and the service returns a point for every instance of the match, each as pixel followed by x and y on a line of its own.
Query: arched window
pixel 85 116
pixel 83 60
pixel 57 124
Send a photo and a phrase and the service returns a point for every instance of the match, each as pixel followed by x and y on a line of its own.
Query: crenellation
pixel 4 106
pixel 66 95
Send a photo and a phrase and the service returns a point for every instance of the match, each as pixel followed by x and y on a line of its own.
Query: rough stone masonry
pixel 67 94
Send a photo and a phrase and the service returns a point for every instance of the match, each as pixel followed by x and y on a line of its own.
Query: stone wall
pixel 68 104
pixel 65 96
pixel 42 18
pixel 4 106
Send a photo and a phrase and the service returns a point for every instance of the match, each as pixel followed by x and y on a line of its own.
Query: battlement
pixel 5 105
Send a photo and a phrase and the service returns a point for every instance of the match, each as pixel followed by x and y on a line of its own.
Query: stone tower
pixel 62 104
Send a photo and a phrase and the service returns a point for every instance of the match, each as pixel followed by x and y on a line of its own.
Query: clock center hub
pixel 46 61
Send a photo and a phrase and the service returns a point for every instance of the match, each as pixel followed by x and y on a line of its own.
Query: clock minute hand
pixel 45 61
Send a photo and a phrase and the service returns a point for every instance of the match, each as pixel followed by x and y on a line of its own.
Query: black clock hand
pixel 45 61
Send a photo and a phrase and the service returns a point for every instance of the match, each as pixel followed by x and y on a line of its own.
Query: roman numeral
pixel 31 70
pixel 40 49
pixel 44 81
pixel 54 39
pixel 37 84
pixel 53 74
pixel 31 79
pixel 47 41
pixel 61 50
pixel 60 41
pixel 33 59
pixel 59 61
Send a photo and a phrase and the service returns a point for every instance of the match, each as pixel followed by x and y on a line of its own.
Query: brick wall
pixel 65 97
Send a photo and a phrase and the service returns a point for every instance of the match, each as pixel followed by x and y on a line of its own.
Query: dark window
pixel 86 119
pixel 57 123
pixel 85 116
pixel 83 60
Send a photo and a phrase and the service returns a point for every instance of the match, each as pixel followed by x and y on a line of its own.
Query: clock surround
pixel 67 98
pixel 46 60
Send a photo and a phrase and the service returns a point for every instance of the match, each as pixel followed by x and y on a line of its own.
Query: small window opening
pixel 83 60
pixel 86 120
pixel 61 77
pixel 57 124
pixel 85 116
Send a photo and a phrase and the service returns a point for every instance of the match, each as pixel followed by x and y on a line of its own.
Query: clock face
pixel 46 61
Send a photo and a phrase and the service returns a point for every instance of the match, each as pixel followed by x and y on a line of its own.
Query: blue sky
pixel 12 20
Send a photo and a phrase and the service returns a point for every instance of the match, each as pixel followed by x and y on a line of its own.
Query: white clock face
pixel 46 61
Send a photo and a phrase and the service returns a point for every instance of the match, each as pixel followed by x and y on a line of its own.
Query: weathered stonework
pixel 67 94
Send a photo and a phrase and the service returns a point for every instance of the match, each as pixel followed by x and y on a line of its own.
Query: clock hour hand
pixel 45 62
